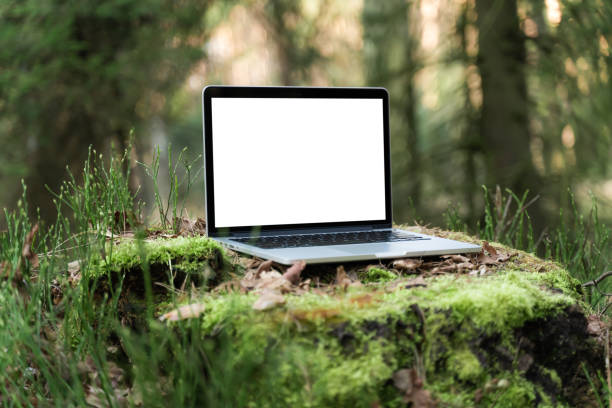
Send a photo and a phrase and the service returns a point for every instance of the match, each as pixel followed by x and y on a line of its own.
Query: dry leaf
pixel 465 265
pixel 183 312
pixel 277 283
pixel 481 271
pixel 489 248
pixel 268 300
pixel 486 260
pixel 263 267
pixel 415 282
pixel 494 256
pixel 362 300
pixel 402 379
pixel 342 279
pixel 408 382
pixel 293 273
pixel 406 283
pixel 457 258
pixel 407 264
pixel 26 252
pixel 596 327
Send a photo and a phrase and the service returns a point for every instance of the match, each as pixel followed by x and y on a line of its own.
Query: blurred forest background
pixel 514 93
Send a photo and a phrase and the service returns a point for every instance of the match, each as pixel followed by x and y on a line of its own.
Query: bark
pixel 504 122
pixel 394 67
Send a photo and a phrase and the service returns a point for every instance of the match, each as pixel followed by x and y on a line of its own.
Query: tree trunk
pixel 390 48
pixel 504 126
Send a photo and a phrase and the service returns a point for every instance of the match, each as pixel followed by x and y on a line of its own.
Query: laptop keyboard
pixel 338 238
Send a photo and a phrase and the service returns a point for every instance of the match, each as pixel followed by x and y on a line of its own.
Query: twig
pixel 605 308
pixel 420 366
pixel 541 237
pixel 524 207
pixel 608 367
pixel 594 282
pixel 501 223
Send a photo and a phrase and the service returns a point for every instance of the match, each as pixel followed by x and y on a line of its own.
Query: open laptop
pixel 297 173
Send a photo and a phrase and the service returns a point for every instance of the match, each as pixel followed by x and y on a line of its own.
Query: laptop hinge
pixel 234 234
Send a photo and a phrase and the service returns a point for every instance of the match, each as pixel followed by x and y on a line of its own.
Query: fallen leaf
pixel 26 252
pixel 263 267
pixel 524 362
pixel 494 256
pixel 408 382
pixel 362 300
pixel 481 271
pixel 407 264
pixel 74 268
pixel 293 273
pixel 268 300
pixel 200 226
pixel 503 383
pixel 183 312
pixel 478 394
pixel 270 275
pixel 4 266
pixel 596 327
pixel 406 283
pixel 486 259
pixel 342 279
pixel 465 265
pixel 277 283
pixel 489 248
pixel 402 380
pixel 457 258
pixel 416 282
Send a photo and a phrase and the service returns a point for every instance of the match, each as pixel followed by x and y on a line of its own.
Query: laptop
pixel 303 173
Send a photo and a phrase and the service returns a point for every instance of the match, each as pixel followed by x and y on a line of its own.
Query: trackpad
pixel 367 248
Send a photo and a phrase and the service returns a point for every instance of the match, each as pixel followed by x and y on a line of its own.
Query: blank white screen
pixel 292 161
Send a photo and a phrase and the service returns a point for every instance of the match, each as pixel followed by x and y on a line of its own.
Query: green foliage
pixel 172 219
pixel 75 74
pixel 581 244
pixel 379 275
pixel 319 350
pixel 315 350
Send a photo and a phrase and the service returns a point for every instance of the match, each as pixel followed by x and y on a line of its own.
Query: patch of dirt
pixel 561 343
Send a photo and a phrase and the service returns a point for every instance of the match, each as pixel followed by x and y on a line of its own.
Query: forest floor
pixel 499 328
pixel 100 309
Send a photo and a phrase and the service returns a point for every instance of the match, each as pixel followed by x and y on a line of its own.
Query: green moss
pixel 186 254
pixel 342 349
pixel 379 275
pixel 561 279
pixel 465 364
pixel 517 393
pixel 498 302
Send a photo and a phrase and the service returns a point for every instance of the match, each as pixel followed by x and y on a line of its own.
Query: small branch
pixel 608 367
pixel 524 207
pixel 603 312
pixel 595 282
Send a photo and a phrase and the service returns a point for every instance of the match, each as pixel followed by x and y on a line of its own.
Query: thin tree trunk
pixel 391 43
pixel 470 142
pixel 504 121
pixel 504 126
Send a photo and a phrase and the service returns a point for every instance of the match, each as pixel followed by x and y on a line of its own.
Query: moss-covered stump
pixel 177 263
pixel 513 339
pixel 502 328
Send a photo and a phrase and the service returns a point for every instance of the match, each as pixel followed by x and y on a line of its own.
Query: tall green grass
pixel 62 344
pixel 580 242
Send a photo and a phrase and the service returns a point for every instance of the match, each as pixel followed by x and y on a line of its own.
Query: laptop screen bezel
pixel 216 91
